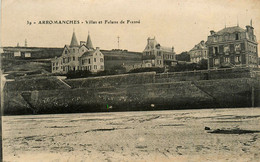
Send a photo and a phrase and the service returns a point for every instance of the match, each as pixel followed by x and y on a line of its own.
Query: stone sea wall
pixel 133 92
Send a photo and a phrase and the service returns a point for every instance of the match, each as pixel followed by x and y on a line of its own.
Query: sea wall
pixel 114 80
pixel 173 95
pixel 141 91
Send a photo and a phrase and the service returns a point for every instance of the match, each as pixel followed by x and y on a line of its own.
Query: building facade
pixel 155 55
pixel 79 57
pixel 233 47
pixel 198 52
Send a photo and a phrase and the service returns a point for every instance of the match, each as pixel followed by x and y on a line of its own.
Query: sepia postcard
pixel 129 80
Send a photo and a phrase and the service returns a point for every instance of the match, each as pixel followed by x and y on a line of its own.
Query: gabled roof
pixel 230 30
pixel 74 42
pixel 167 49
pixel 83 45
pixel 200 45
pixel 151 44
pixel 88 53
pixel 89 42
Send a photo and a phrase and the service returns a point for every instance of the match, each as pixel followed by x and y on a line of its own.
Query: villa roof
pixel 74 42
pixel 88 53
pixel 152 44
pixel 89 43
pixel 200 45
pixel 230 30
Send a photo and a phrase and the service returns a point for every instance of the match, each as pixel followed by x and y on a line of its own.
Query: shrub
pixel 78 74
pixel 147 69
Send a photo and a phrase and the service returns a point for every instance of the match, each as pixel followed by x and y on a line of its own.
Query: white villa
pixel 79 57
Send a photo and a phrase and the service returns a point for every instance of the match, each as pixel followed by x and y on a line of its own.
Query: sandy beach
pixel 176 135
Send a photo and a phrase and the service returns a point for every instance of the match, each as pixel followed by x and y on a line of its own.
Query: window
pixel 226 37
pixel 237 38
pixel 53 64
pixel 216 61
pixel 57 63
pixel 101 67
pixel 237 59
pixel 101 59
pixel 237 47
pixel 89 61
pixel 215 50
pixel 66 52
pixel 227 59
pixel 226 49
pixel 64 60
pixel 95 60
pixel 158 53
pixel 73 58
pixel 73 50
pixel 215 39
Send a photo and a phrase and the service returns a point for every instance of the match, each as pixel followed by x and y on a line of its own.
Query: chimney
pixel 212 32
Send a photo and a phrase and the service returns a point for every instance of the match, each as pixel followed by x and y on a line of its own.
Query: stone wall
pixel 205 75
pixel 114 80
pixel 133 92
pixel 32 84
pixel 175 95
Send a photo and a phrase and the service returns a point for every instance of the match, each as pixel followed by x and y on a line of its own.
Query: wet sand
pixel 177 135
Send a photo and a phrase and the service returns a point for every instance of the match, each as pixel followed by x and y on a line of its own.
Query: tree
pixel 184 56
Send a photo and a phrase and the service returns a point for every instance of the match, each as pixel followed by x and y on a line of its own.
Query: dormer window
pixel 226 37
pixel 237 37
pixel 66 52
pixel 73 50
pixel 215 39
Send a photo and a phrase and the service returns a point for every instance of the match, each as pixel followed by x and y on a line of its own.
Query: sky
pixel 178 23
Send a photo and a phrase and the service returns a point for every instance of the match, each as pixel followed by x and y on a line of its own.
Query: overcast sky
pixel 181 24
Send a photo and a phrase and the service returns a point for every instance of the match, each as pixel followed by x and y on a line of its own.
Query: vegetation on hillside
pixel 202 65
pixel 117 69
pixel 147 69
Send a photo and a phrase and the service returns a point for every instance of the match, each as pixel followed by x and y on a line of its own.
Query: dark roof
pixel 90 53
pixel 89 43
pixel 74 42
pixel 230 30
